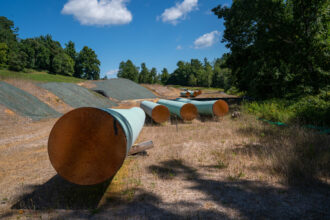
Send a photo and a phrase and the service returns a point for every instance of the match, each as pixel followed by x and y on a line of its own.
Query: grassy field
pixel 37 76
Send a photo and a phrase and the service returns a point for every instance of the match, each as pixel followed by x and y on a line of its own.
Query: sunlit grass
pixel 37 76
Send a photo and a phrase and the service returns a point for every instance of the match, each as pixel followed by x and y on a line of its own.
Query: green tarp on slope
pixel 24 103
pixel 123 89
pixel 77 96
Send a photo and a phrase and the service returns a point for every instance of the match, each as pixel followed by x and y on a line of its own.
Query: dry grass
pixel 245 148
pixel 227 169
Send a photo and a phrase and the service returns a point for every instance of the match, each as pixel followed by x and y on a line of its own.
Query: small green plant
pixel 221 165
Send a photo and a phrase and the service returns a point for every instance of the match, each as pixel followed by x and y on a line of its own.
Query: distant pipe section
pixel 158 113
pixel 88 145
pixel 186 111
pixel 216 108
pixel 184 94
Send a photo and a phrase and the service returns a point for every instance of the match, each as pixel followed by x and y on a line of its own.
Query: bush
pixel 314 110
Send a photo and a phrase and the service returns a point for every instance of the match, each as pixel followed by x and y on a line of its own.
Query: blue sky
pixel 157 32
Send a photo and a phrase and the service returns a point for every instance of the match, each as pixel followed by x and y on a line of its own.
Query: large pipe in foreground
pixel 88 145
pixel 159 113
pixel 186 111
pixel 217 108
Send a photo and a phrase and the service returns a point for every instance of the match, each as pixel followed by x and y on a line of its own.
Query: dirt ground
pixel 165 92
pixel 206 169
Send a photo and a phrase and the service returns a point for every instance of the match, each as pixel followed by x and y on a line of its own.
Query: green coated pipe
pixel 186 111
pixel 159 113
pixel 89 145
pixel 216 108
pixel 131 120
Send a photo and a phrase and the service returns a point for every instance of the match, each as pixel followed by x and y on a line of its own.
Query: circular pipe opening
pixel 220 108
pixel 188 112
pixel 87 146
pixel 160 114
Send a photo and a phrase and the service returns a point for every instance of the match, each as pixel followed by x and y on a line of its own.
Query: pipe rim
pixel 188 112
pixel 87 146
pixel 160 114
pixel 220 108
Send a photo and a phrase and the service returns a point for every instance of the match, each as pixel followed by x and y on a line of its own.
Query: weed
pixel 221 165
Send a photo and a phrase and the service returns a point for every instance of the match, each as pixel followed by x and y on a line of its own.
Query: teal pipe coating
pixel 185 111
pixel 184 94
pixel 159 113
pixel 131 120
pixel 216 107
pixel 88 145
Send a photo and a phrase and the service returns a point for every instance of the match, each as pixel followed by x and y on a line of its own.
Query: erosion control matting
pixel 77 96
pixel 123 89
pixel 24 103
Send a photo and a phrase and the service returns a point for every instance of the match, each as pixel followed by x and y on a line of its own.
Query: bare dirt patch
pixel 163 91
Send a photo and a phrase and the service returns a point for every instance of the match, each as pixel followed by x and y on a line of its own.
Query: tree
pixel 3 53
pixel 63 64
pixel 278 47
pixel 144 74
pixel 71 50
pixel 8 32
pixel 17 60
pixel 128 70
pixel 88 66
pixel 208 74
pixel 192 80
pixel 153 76
pixel 164 76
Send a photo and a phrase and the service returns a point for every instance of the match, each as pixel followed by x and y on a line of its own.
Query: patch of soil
pixel 163 91
pixel 87 84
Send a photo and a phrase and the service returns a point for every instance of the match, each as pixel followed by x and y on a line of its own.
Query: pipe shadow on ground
pixel 58 193
pixel 252 199
pixel 248 199
pixel 300 156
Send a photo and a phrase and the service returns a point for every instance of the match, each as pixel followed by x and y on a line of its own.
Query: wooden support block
pixel 137 148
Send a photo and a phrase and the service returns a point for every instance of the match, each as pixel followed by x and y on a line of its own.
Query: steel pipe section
pixel 184 94
pixel 216 108
pixel 186 111
pixel 158 113
pixel 88 145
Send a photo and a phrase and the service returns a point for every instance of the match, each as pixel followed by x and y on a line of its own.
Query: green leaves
pixel 277 46
pixel 87 64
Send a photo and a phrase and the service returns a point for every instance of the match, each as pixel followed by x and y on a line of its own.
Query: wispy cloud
pixel 179 11
pixel 112 73
pixel 99 12
pixel 207 40
pixel 179 47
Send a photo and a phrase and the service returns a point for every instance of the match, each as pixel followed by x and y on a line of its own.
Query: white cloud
pixel 99 12
pixel 179 47
pixel 207 40
pixel 112 73
pixel 179 11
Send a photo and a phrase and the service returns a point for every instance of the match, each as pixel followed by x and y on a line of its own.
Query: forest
pixel 44 53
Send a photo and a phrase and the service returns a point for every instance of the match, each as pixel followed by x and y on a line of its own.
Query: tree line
pixel 44 53
pixel 278 48
pixel 193 73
